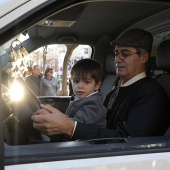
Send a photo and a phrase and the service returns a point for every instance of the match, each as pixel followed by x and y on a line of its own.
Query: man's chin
pixel 120 73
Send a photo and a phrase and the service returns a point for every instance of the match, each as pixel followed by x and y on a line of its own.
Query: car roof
pixel 85 22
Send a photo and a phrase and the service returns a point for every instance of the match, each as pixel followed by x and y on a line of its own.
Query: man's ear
pixel 145 57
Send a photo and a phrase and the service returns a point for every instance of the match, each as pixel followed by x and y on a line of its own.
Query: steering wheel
pixel 18 126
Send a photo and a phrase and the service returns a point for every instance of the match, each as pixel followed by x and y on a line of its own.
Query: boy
pixel 86 105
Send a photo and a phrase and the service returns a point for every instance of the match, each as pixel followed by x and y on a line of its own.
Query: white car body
pixel 129 162
pixel 11 10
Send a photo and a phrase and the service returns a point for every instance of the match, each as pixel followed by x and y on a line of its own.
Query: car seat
pixel 110 77
pixel 163 62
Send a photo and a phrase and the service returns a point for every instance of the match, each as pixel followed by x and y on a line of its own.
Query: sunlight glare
pixel 16 91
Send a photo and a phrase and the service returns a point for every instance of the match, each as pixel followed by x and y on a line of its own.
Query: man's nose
pixel 117 59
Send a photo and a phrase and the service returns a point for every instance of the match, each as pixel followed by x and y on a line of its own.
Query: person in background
pixel 136 107
pixel 27 73
pixel 33 80
pixel 49 84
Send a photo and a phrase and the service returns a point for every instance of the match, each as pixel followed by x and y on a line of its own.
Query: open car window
pixel 55 56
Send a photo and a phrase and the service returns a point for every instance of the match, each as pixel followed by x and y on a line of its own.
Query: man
pixel 136 107
pixel 33 81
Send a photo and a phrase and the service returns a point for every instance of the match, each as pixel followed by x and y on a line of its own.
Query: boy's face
pixel 83 87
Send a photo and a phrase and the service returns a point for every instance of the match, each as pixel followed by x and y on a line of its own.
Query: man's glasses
pixel 124 54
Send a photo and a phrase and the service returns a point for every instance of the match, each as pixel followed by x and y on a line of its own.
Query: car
pixel 68 31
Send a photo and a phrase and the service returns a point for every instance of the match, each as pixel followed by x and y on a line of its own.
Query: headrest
pixel 110 65
pixel 163 56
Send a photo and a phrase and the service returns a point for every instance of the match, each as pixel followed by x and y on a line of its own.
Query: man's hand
pixel 51 121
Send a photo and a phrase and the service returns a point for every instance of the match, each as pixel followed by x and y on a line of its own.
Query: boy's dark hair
pixel 85 67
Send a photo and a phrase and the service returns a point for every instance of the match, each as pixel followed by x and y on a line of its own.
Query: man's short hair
pixel 36 65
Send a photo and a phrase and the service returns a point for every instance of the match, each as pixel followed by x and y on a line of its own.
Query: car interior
pixel 93 23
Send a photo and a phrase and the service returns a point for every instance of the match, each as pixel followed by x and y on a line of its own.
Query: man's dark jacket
pixel 140 109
